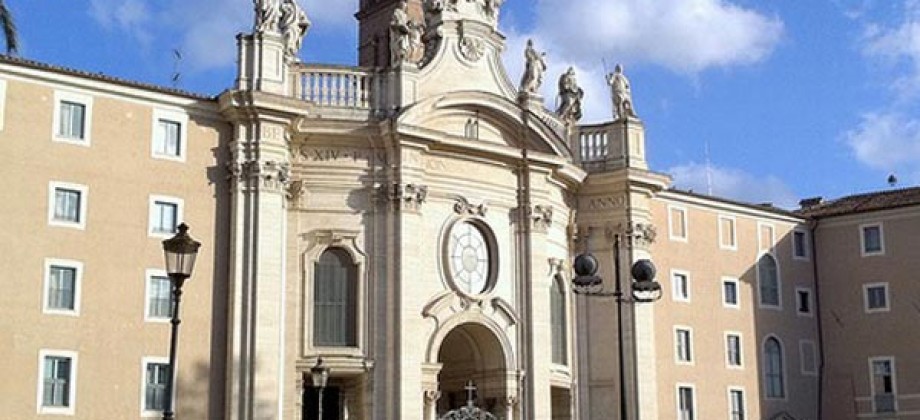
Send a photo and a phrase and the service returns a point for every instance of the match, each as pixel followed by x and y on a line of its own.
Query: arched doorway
pixel 472 352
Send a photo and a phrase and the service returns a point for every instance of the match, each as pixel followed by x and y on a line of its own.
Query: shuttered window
pixel 335 284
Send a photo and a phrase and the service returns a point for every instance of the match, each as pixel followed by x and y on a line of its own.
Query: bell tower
pixel 374 29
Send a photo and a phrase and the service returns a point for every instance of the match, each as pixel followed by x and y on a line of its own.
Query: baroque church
pixel 425 228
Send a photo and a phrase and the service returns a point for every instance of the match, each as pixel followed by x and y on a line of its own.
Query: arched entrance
pixel 472 352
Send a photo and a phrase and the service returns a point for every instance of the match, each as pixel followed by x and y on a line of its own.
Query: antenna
pixel 176 76
pixel 708 168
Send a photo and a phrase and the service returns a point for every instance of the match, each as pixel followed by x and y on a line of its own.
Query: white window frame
pixel 693 401
pixel 84 198
pixel 866 288
pixel 813 353
pixel 148 282
pixel 174 116
pixel 78 281
pixel 779 284
pixel 728 361
pixel 725 303
pixel 143 382
pixel 862 239
pixel 811 302
pixel 806 242
pixel 734 223
pixel 677 355
pixel 894 380
pixel 675 292
pixel 744 406
pixel 180 211
pixel 760 244
pixel 87 102
pixel 686 223
pixel 72 398
pixel 783 353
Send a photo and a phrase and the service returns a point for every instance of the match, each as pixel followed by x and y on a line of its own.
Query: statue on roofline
pixel 268 14
pixel 622 94
pixel 534 68
pixel 400 34
pixel 571 95
pixel 294 25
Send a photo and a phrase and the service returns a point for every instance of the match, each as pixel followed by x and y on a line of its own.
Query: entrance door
pixel 331 409
pixel 471 352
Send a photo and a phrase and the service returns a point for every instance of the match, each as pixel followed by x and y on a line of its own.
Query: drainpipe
pixel 814 265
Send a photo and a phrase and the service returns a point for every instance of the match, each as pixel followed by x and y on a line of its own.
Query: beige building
pixel 412 221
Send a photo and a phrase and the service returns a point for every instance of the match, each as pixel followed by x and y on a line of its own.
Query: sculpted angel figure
pixel 621 92
pixel 400 42
pixel 533 70
pixel 268 13
pixel 294 25
pixel 571 95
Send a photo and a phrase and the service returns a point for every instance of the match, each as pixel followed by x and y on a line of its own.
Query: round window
pixel 469 259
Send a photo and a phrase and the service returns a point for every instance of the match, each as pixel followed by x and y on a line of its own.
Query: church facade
pixel 409 224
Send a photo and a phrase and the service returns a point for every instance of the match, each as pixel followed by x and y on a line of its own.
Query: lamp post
pixel 320 376
pixel 644 289
pixel 180 252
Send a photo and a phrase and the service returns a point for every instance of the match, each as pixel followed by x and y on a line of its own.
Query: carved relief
pixel 295 192
pixel 464 208
pixel 471 48
pixel 542 217
pixel 637 234
pixel 269 175
pixel 408 196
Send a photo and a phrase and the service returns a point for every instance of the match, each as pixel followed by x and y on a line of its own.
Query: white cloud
pixel 888 142
pixel 131 16
pixel 686 36
pixel 898 45
pixel 734 184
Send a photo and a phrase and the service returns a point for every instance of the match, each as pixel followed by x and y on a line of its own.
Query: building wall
pixel 852 333
pixel 706 260
pixel 108 334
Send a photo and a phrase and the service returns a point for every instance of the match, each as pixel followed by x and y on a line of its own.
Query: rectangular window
pixel 62 286
pixel 803 301
pixel 882 375
pixel 876 297
pixel 680 286
pixel 683 345
pixel 677 223
pixel 730 292
pixel 808 354
pixel 165 215
pixel 800 244
pixel 159 296
pixel 736 404
pixel 67 205
pixel 72 117
pixel 686 406
pixel 733 349
pixel 57 387
pixel 872 239
pixel 156 376
pixel 168 139
pixel 727 235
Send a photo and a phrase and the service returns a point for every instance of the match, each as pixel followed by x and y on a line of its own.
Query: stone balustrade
pixel 333 86
pixel 593 142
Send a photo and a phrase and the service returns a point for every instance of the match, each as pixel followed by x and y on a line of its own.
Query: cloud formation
pixel 888 142
pixel 898 45
pixel 733 183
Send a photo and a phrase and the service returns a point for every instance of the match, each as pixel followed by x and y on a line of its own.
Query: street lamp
pixel 180 252
pixel 644 289
pixel 320 376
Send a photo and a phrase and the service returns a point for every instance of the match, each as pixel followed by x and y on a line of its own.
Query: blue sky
pixel 792 98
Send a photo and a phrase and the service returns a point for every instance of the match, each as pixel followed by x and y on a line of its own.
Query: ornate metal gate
pixel 469 411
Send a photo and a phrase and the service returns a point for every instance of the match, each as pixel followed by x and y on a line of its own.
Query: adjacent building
pixel 412 222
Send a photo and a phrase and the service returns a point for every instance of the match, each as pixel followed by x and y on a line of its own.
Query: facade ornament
pixel 534 69
pixel 607 203
pixel 271 175
pixel 294 25
pixel 639 234
pixel 541 217
pixel 464 208
pixel 570 95
pixel 400 43
pixel 410 196
pixel 490 8
pixel 268 15
pixel 622 94
pixel 294 191
pixel 432 395
pixel 472 48
pixel 416 42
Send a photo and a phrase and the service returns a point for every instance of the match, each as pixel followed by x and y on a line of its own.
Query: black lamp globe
pixel 585 267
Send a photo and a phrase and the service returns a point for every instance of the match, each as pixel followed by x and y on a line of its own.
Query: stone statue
pixel 294 25
pixel 533 69
pixel 416 44
pixel 571 95
pixel 268 13
pixel 491 7
pixel 621 92
pixel 400 33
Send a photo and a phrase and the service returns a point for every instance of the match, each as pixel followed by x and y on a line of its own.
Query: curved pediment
pixel 486 120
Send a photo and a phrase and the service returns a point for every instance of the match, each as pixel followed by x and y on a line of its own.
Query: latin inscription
pixel 371 156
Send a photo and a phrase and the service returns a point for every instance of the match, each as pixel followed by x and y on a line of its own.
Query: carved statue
pixel 491 7
pixel 571 95
pixel 294 25
pixel 533 69
pixel 400 42
pixel 268 13
pixel 416 44
pixel 621 92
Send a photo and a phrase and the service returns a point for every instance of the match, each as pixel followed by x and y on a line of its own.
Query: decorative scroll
pixel 409 196
pixel 464 208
